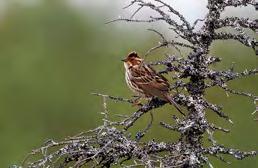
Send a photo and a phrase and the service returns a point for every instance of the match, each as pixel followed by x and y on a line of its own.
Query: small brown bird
pixel 143 80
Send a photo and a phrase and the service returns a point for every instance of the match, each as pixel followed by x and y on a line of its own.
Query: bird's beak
pixel 123 60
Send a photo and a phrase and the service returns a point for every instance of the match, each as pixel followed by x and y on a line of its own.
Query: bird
pixel 144 81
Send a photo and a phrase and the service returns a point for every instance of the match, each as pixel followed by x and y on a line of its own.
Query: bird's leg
pixel 136 100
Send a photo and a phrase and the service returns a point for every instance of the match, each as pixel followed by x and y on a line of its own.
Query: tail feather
pixel 171 101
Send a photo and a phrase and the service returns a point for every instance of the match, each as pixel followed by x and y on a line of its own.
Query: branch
pixel 181 17
pixel 221 77
pixel 154 103
pixel 237 3
pixel 219 149
pixel 235 21
pixel 246 40
pixel 166 43
pixel 217 110
pixel 114 98
pixel 253 97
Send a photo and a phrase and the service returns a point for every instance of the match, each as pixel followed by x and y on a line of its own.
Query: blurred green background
pixel 53 54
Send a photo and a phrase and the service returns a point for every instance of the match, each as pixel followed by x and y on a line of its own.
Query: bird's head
pixel 132 59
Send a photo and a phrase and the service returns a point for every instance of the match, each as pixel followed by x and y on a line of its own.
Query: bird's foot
pixel 136 101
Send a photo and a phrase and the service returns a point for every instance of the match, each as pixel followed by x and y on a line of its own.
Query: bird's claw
pixel 136 101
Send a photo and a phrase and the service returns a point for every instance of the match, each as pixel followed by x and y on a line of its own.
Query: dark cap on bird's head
pixel 131 55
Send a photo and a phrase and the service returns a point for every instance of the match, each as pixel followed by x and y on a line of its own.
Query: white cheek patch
pixel 125 65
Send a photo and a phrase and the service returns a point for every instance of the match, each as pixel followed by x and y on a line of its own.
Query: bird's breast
pixel 131 84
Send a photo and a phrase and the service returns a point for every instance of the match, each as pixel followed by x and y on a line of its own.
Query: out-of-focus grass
pixel 52 58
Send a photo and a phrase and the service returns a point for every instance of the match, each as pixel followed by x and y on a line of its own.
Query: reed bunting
pixel 144 81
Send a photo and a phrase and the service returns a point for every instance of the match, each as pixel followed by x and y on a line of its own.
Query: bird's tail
pixel 171 101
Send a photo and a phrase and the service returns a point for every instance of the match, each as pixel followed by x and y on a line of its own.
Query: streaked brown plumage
pixel 143 80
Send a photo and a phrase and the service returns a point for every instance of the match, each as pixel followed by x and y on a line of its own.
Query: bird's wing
pixel 146 75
